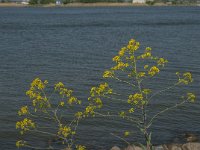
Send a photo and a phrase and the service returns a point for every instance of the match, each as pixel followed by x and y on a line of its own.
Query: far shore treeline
pixel 148 2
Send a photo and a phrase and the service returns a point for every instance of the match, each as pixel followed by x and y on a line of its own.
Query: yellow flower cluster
pixel 133 46
pixel 62 103
pixel 146 91
pixel 39 84
pixel 120 66
pixel 79 115
pixel 80 147
pixel 126 61
pixel 20 143
pixel 108 74
pixel 122 114
pixel 153 71
pixel 147 54
pixel 122 52
pixel 191 97
pixel 60 87
pixel 162 62
pixel 95 100
pixel 36 93
pixel 116 59
pixel 101 90
pixel 64 131
pixel 23 111
pixel 25 125
pixel 121 57
pixel 141 74
pixel 89 110
pixel 131 110
pixel 136 99
pixel 64 92
pixel 184 78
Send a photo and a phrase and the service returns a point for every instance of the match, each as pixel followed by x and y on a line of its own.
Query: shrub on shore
pixel 55 115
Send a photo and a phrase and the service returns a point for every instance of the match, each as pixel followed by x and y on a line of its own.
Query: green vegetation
pixel 57 115
pixel 150 2
pixel 34 2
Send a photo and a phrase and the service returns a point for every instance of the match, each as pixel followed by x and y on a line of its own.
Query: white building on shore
pixel 139 1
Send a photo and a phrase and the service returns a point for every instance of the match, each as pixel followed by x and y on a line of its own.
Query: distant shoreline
pixel 103 4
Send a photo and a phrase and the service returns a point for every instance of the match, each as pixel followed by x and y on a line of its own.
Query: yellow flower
pixel 80 147
pixel 64 131
pixel 146 91
pixel 148 49
pixel 191 97
pixel 98 102
pixel 45 82
pixel 25 124
pixel 126 133
pixel 23 110
pixel 162 62
pixel 131 42
pixel 72 100
pixel 141 74
pixel 135 98
pixel 146 66
pixel 186 78
pixel 116 59
pixel 145 55
pixel 59 85
pixel 62 103
pixel 122 114
pixel 131 110
pixel 153 71
pixel 121 52
pixel 20 143
pixel 108 74
pixel 120 66
pixel 79 114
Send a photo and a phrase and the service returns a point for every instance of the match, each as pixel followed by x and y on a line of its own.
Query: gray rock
pixel 159 147
pixel 172 147
pixel 191 137
pixel 115 148
pixel 133 148
pixel 191 146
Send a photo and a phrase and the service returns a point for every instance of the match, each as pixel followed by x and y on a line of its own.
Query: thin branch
pixel 48 133
pixel 75 128
pixel 163 111
pixel 132 119
pixel 117 99
pixel 120 138
pixel 56 117
pixel 161 91
pixel 39 116
pixel 124 81
pixel 41 148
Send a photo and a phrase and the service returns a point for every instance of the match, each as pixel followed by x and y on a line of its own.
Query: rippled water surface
pixel 75 45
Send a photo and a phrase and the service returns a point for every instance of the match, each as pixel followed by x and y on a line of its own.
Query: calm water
pixel 75 45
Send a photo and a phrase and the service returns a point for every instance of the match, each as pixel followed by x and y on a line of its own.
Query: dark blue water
pixel 75 45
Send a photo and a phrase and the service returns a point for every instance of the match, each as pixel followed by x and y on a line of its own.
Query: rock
pixel 159 147
pixel 172 147
pixel 165 147
pixel 115 148
pixel 191 137
pixel 191 146
pixel 133 148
